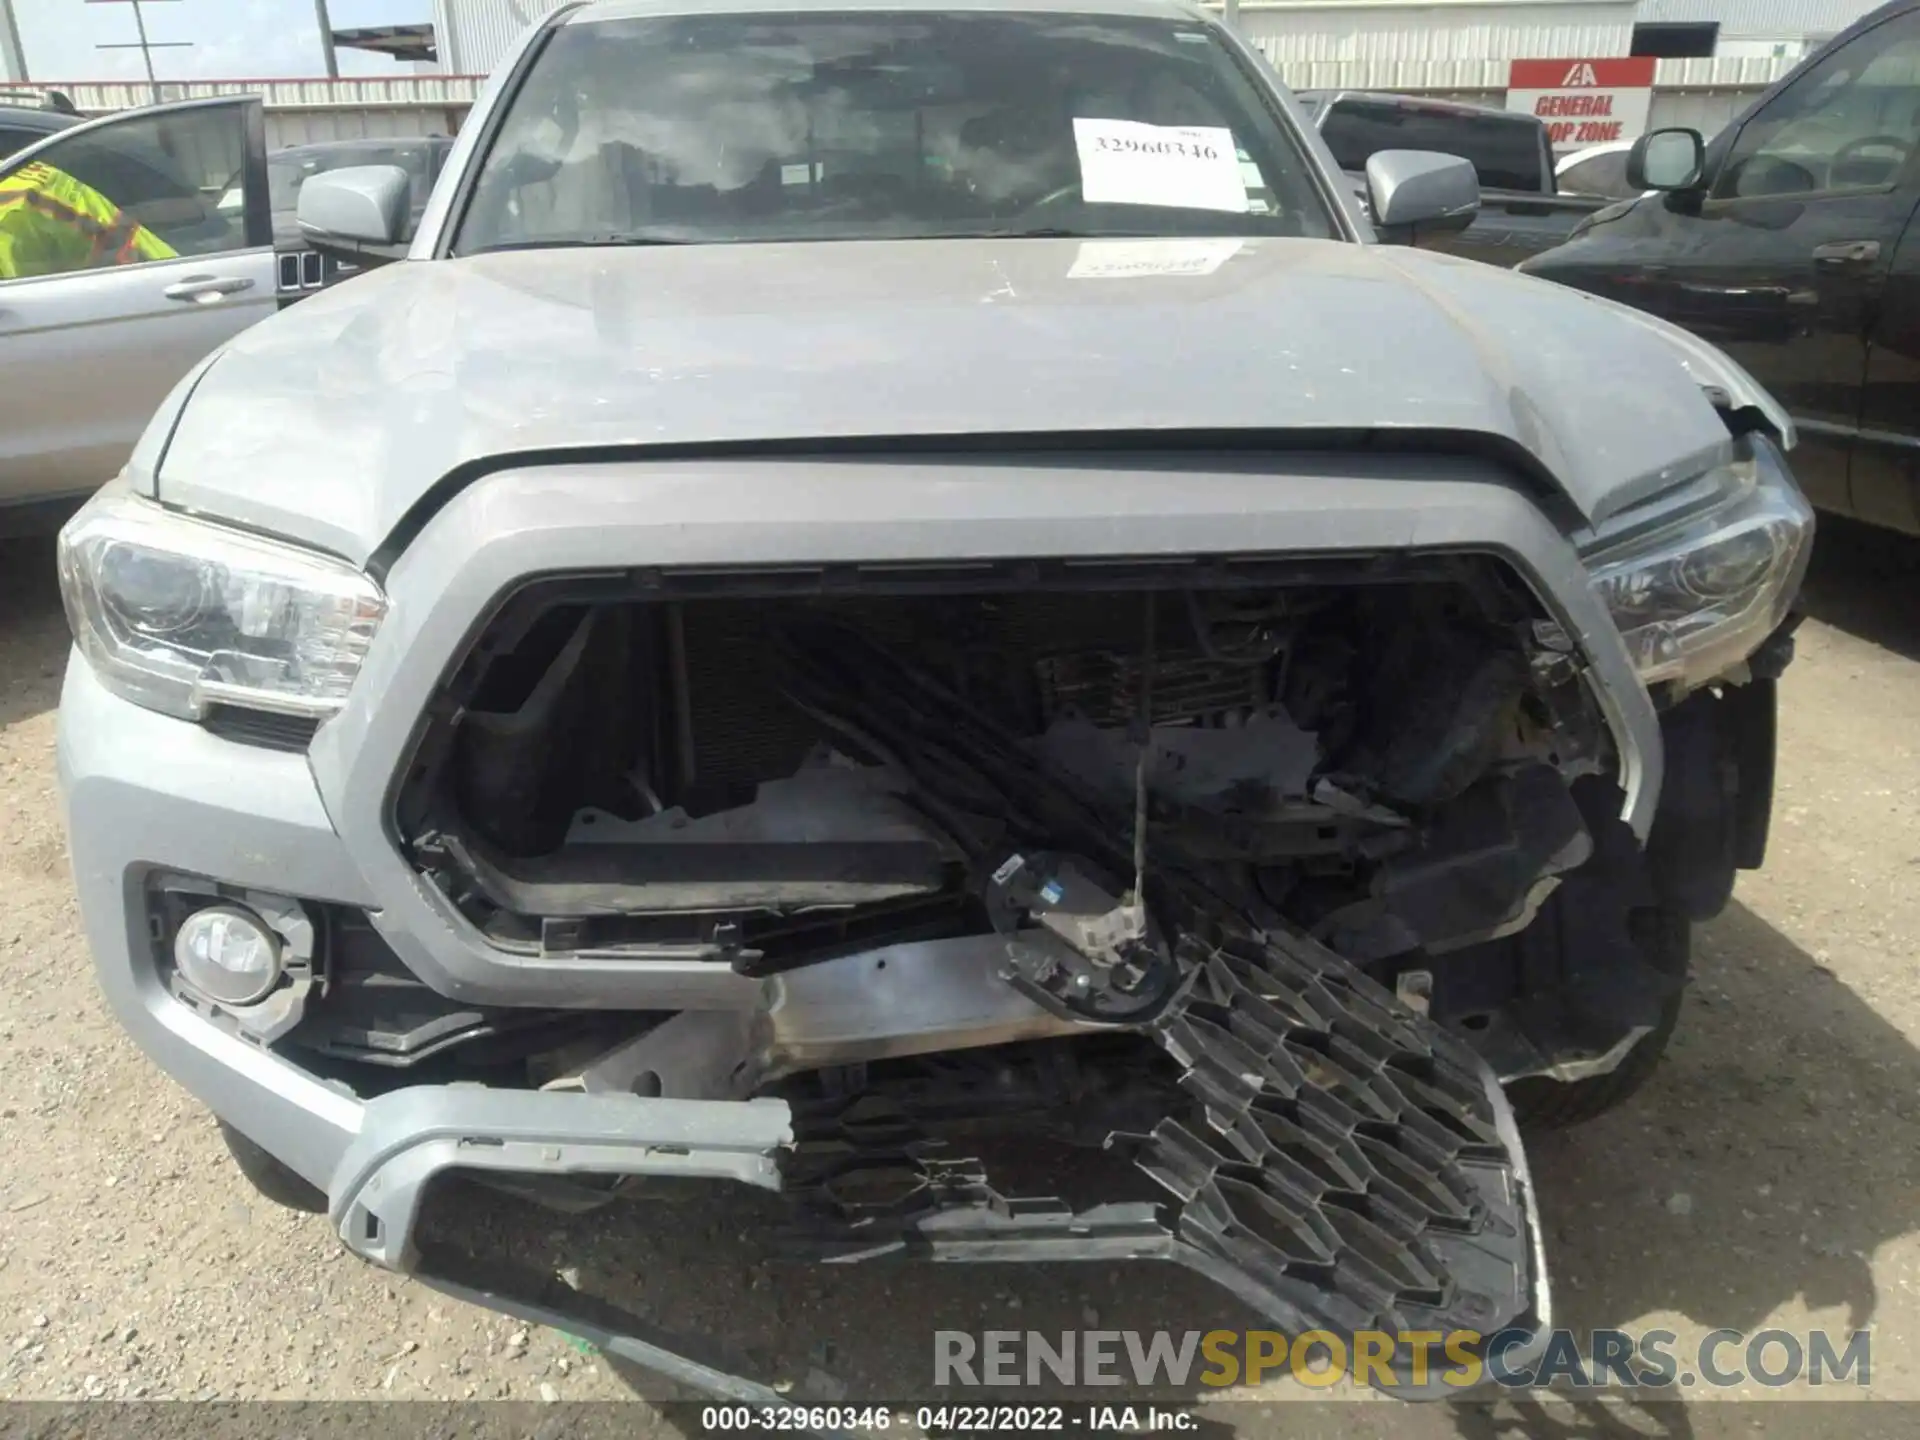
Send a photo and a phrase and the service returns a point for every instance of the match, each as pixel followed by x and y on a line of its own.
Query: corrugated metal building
pixel 472 35
pixel 1466 44
pixel 300 111
pixel 1786 28
pixel 1449 45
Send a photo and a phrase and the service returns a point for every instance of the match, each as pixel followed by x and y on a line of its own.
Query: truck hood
pixel 327 423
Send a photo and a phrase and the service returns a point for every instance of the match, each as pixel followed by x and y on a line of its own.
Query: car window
pixel 13 139
pixel 143 189
pixel 1505 153
pixel 1848 123
pixel 1604 175
pixel 288 170
pixel 795 126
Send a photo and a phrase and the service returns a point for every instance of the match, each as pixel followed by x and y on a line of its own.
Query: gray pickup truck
pixel 959 599
pixel 1522 211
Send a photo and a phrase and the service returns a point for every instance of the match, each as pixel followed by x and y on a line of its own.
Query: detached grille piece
pixel 1343 1163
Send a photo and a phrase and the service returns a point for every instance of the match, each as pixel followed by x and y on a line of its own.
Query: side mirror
pixel 1409 190
pixel 356 213
pixel 1667 160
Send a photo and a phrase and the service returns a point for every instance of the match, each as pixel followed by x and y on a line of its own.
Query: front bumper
pixel 251 816
pixel 146 792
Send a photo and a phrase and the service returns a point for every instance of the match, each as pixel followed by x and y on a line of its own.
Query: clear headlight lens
pixel 177 614
pixel 1696 596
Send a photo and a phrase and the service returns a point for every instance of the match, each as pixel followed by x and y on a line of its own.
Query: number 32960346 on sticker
pixel 1187 167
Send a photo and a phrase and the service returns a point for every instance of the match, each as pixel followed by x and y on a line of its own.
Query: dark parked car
pixel 1788 242
pixel 21 126
pixel 1522 211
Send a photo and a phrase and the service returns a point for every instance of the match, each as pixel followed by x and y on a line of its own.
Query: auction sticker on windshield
pixel 1129 259
pixel 1187 167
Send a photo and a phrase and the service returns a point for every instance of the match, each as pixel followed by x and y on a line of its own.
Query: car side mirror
pixel 357 213
pixel 1420 190
pixel 1667 160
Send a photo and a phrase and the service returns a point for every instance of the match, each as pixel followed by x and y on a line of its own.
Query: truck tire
pixel 1666 938
pixel 270 1177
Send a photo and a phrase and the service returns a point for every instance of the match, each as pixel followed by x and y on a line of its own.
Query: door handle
pixel 207 289
pixel 1846 254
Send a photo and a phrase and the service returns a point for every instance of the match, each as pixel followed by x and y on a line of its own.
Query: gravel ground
pixel 1769 1177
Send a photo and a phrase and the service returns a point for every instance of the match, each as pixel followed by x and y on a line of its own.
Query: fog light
pixel 227 955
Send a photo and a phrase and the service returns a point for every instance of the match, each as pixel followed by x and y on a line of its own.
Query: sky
pixel 231 39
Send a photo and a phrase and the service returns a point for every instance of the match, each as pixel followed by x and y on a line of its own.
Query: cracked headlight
pixel 177 614
pixel 1694 596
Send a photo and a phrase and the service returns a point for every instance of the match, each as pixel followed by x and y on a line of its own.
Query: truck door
pixel 93 346
pixel 1786 262
pixel 1885 478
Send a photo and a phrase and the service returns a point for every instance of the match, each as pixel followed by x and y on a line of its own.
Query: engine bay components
pixel 777 770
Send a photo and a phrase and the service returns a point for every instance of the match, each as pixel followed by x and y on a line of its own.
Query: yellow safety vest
pixel 51 223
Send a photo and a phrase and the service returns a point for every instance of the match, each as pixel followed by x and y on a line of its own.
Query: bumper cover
pixel 1341 1163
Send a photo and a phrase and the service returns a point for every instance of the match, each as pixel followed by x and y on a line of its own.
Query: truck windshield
pixel 1505 153
pixel 882 125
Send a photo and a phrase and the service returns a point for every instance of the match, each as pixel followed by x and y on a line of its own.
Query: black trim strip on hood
pixel 1507 453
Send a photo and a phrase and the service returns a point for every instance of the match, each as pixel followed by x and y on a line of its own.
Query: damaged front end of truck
pixel 1214 907
pixel 1210 863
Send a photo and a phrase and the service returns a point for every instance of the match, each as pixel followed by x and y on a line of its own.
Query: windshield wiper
pixel 579 242
pixel 613 239
pixel 1045 232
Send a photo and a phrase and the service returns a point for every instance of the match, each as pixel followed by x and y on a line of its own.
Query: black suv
pixel 1788 242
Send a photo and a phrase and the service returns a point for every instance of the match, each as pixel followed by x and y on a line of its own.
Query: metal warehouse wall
pixel 1446 46
pixel 299 111
pixel 475 34
pixel 1773 19
pixel 302 127
pixel 1460 49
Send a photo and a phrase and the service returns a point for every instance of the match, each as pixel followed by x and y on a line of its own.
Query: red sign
pixel 1584 102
